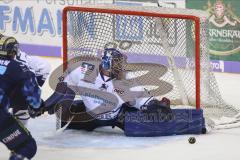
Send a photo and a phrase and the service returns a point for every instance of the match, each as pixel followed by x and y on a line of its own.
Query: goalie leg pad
pixel 15 136
pixel 189 121
pixel 184 121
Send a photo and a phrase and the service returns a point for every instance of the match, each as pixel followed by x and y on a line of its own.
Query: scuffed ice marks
pixel 45 135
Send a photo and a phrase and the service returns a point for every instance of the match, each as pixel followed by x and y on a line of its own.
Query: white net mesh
pixel 152 35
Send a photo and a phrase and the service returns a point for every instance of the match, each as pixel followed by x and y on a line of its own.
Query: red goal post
pixel 203 84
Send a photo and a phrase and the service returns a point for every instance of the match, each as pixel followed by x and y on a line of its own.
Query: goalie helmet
pixel 8 46
pixel 113 61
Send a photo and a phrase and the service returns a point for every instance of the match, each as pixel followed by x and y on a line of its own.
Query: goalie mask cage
pixel 175 38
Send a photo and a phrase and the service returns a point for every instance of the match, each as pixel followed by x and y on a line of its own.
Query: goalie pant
pixel 13 75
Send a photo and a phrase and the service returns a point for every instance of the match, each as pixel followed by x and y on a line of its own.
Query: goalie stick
pixel 61 129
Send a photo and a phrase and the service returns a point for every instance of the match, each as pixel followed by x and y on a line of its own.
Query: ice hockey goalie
pixel 96 92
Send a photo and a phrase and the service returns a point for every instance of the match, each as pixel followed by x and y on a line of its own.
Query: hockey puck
pixel 192 140
pixel 204 131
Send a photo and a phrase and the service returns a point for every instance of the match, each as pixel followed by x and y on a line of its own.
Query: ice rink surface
pixel 109 144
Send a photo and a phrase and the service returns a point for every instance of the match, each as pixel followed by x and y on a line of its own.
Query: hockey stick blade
pixel 60 130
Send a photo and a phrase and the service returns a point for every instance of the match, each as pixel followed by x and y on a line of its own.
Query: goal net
pixel 151 38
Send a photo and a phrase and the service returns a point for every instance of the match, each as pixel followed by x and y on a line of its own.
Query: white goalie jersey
pixel 102 96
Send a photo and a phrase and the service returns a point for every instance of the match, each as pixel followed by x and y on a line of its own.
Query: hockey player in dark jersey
pixel 41 69
pixel 14 74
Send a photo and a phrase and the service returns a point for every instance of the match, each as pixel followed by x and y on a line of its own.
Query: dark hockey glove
pixel 61 94
pixel 162 107
pixel 155 104
pixel 33 112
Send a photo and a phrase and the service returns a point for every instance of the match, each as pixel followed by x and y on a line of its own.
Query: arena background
pixel 38 26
